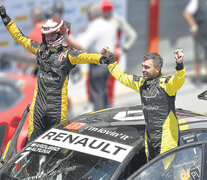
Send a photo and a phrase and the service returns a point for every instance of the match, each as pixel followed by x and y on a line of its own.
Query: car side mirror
pixel 203 95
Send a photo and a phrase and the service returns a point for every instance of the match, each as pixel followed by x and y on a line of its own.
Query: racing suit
pixel 50 102
pixel 158 101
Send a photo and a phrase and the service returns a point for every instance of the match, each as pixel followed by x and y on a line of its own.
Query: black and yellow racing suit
pixel 158 101
pixel 50 102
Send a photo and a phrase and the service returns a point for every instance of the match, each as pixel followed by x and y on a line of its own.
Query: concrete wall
pixel 138 18
pixel 174 33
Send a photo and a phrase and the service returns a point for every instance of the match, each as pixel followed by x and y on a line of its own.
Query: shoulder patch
pixel 165 79
pixel 35 44
pixel 65 52
pixel 74 52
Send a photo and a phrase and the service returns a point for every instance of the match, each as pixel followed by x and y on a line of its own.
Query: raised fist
pixel 108 60
pixel 178 53
pixel 105 52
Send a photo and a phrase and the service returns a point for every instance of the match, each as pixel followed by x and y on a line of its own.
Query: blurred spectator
pixel 195 15
pixel 56 11
pixel 98 34
pixel 37 18
pixel 122 28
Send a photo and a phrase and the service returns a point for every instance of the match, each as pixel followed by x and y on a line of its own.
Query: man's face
pixel 148 69
pixel 107 13
pixel 50 38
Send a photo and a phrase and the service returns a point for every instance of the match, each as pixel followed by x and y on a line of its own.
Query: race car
pixel 108 144
pixel 16 92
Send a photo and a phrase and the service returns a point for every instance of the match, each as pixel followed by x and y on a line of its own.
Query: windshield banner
pixel 85 144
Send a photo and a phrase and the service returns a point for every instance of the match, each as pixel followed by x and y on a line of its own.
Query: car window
pixel 182 164
pixel 9 96
pixel 202 137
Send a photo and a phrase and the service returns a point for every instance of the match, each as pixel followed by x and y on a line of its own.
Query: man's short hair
pixel 37 14
pixel 94 11
pixel 157 59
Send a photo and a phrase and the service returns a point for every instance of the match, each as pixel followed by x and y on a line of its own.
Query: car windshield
pixel 60 164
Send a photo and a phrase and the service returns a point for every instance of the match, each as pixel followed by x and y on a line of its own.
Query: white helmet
pixel 54 31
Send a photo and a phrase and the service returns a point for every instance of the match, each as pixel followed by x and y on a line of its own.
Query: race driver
pixel 50 102
pixel 157 96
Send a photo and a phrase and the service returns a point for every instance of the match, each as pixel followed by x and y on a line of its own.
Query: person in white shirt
pixel 123 29
pixel 98 34
pixel 195 14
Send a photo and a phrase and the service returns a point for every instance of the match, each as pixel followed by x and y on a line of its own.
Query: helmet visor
pixel 51 37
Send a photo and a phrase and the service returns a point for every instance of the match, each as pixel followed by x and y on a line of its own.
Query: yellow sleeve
pixel 84 58
pixel 118 73
pixel 175 82
pixel 17 35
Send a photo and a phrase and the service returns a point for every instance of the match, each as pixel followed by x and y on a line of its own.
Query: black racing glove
pixel 110 60
pixel 4 16
pixel 2 11
pixel 179 66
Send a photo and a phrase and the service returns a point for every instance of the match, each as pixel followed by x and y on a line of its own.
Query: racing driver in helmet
pixel 55 61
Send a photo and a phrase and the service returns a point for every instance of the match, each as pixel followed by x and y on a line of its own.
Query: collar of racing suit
pixel 55 50
pixel 152 81
pixel 45 52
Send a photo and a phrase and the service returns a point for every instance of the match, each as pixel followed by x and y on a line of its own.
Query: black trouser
pixel 98 76
pixel 45 116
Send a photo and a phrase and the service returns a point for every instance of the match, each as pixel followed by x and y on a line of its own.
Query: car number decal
pixel 86 144
pixel 129 115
